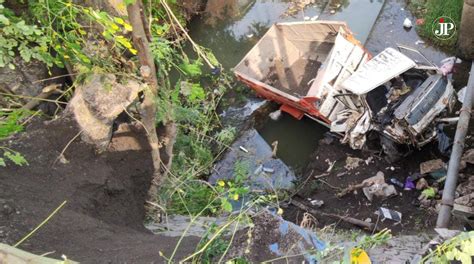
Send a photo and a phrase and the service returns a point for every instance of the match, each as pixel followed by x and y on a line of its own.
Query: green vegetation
pixel 459 248
pixel 430 11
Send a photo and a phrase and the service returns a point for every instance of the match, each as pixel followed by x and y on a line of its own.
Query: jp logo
pixel 444 28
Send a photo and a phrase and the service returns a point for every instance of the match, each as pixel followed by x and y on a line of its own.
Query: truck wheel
pixel 390 149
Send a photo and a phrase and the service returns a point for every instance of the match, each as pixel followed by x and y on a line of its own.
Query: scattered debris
pixel 409 184
pixel 418 42
pixel 468 157
pixel 369 160
pixel 318 213
pixel 397 182
pixel 272 236
pixel 431 166
pixel 447 65
pixel 419 22
pixel 352 163
pixel 243 149
pixel 421 184
pixel 330 165
pixel 275 115
pixel 377 179
pixel 444 142
pixel 428 193
pixel 386 213
pixel 407 23
pixel 274 148
pixel 317 203
pixel 268 170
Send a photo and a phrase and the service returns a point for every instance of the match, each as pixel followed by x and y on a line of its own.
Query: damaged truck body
pixel 320 70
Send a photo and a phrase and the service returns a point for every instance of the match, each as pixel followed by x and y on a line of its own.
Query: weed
pixel 431 10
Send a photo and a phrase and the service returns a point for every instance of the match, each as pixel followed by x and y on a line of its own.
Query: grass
pixel 431 10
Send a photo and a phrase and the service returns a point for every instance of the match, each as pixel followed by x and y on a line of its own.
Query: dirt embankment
pixel 103 218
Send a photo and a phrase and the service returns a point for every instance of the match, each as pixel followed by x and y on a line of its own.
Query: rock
pixel 466 187
pixel 23 79
pixel 431 166
pixel 421 184
pixel 468 156
pixel 273 237
pixel 97 103
pixel 466 200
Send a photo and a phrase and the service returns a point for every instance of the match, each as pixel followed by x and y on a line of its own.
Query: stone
pixel 97 103
pixel 431 166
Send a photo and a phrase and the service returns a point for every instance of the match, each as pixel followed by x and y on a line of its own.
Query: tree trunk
pixel 148 72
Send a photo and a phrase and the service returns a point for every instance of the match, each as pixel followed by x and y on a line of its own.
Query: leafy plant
pixel 460 248
pixel 14 156
pixel 64 24
pixel 17 38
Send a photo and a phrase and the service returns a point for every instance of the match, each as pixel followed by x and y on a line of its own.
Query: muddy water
pixel 231 27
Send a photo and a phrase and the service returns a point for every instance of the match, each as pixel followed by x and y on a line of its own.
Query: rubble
pixel 432 166
pixel 352 163
pixel 378 187
pixel 421 184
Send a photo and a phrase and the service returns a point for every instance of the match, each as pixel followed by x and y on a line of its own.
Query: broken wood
pixel 353 187
pixel 45 93
pixel 351 220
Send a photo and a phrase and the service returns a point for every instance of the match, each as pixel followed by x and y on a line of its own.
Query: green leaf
pixel 16 158
pixel 226 205
pixel 4 20
pixel 2 163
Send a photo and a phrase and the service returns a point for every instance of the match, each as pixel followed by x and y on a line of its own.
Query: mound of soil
pixel 105 193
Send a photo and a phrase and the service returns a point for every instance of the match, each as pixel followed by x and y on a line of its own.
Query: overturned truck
pixel 320 70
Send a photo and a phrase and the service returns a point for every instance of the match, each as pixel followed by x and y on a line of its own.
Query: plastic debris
pixel 314 18
pixel 397 182
pixel 429 193
pixel 268 170
pixel 431 165
pixel 418 42
pixel 275 115
pixel 386 213
pixel 447 65
pixel 243 149
pixel 421 184
pixel 420 21
pixel 352 163
pixel 444 142
pixel 407 23
pixel 359 256
pixel 409 184
pixel 317 203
